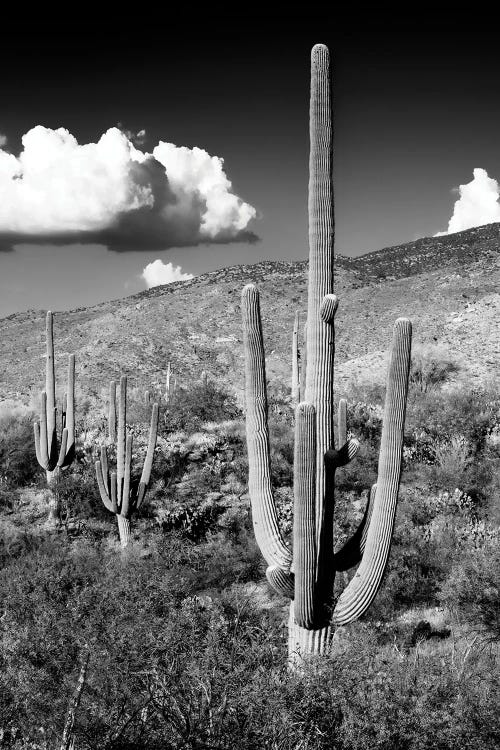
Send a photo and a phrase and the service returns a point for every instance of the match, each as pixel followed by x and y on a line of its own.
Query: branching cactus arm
pixel 342 422
pixel 304 515
pixel 148 461
pixel 361 591
pixel 66 457
pixel 121 438
pixel 112 411
pixel 264 515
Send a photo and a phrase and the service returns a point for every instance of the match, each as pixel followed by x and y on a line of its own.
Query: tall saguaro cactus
pixel 308 575
pixel 119 493
pixel 55 453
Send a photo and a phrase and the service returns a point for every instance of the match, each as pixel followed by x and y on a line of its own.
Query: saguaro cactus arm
pixel 148 461
pixel 342 422
pixel 281 581
pixel 112 411
pixel 103 483
pixel 66 457
pixel 121 438
pixel 264 515
pixel 304 515
pixel 359 594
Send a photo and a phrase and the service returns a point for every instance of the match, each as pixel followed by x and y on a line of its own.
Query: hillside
pixel 447 285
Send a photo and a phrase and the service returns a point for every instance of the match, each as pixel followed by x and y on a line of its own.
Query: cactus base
pixel 54 518
pixel 304 643
pixel 123 529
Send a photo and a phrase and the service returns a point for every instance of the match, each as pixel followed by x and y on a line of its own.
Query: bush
pixel 18 464
pixel 430 368
pixel 472 589
pixel 189 408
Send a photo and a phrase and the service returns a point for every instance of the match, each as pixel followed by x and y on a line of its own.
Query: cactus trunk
pixel 123 529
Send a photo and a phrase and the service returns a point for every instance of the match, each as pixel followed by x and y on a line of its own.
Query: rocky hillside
pixel 449 286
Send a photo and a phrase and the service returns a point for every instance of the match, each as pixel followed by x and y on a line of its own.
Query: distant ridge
pixel 448 285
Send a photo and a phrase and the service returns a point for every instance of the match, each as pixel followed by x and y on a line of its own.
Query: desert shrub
pixel 440 416
pixel 79 493
pixel 279 401
pixel 472 588
pixel 364 420
pixel 189 408
pixel 18 464
pixel 173 666
pixel 194 518
pixel 452 459
pixel 430 368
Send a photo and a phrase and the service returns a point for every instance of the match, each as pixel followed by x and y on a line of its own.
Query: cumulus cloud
pixel 478 203
pixel 58 190
pixel 3 140
pixel 157 273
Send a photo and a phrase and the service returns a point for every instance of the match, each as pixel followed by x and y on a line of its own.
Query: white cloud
pixel 113 191
pixel 478 203
pixel 157 273
pixel 3 140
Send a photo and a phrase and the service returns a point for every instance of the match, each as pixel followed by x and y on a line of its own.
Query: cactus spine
pixel 308 578
pixel 119 493
pixel 53 453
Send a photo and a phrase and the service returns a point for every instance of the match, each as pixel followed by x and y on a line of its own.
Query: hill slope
pixel 449 287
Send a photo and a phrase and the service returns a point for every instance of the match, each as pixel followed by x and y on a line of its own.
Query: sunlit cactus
pixel 120 493
pixel 307 576
pixel 55 452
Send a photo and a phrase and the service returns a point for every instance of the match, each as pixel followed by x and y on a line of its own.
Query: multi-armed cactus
pixel 119 492
pixel 308 576
pixel 53 453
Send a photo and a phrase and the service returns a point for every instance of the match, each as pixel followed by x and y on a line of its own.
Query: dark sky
pixel 415 111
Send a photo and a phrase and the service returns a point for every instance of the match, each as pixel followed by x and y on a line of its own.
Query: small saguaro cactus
pixel 53 453
pixel 120 494
pixel 307 576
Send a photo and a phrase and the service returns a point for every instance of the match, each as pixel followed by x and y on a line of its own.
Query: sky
pixel 143 153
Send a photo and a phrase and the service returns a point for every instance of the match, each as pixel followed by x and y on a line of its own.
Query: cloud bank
pixel 157 273
pixel 111 192
pixel 478 203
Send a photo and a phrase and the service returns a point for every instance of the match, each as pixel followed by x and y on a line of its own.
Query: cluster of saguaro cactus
pixel 121 494
pixel 308 575
pixel 55 453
